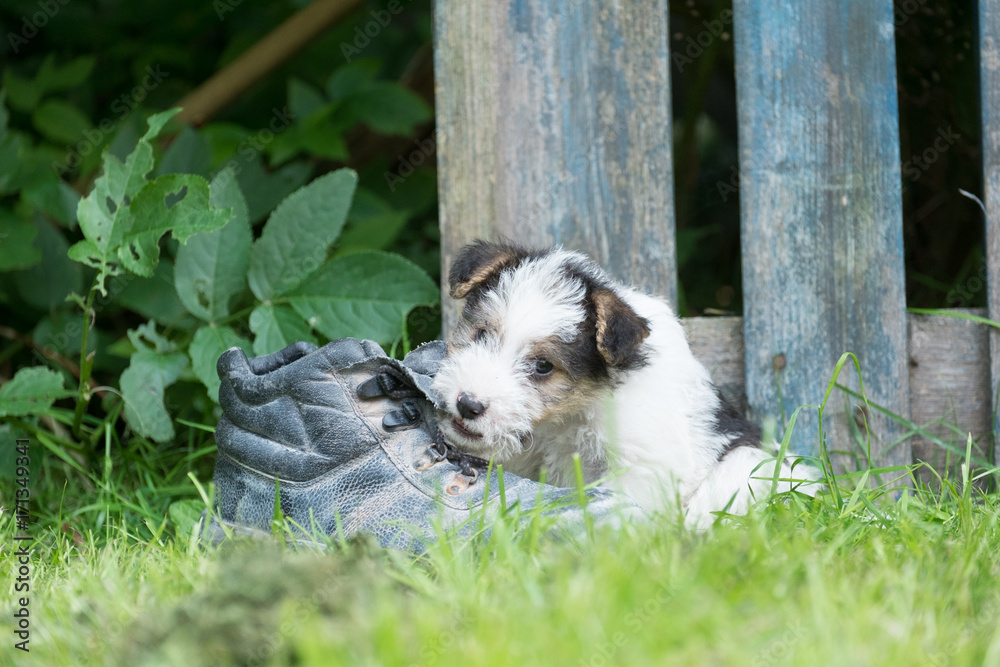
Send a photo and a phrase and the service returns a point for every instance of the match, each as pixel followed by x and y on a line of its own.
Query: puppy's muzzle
pixel 469 406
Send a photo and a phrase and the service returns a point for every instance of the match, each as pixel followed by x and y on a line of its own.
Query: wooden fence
pixel 554 126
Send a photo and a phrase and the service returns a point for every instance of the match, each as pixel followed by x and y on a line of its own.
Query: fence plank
pixel 717 342
pixel 821 208
pixel 949 381
pixel 989 68
pixel 554 127
pixel 948 376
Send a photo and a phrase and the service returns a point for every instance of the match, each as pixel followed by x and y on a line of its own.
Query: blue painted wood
pixel 554 127
pixel 989 71
pixel 821 211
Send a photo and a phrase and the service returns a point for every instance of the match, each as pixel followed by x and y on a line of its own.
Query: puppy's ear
pixel 620 330
pixel 477 262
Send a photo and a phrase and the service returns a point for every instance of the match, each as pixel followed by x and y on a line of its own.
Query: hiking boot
pixel 347 438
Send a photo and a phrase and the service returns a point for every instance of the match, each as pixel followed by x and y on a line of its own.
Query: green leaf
pixel 175 203
pixel 187 154
pixel 10 159
pixel 322 134
pixel 303 99
pixel 318 138
pixel 224 140
pixel 389 108
pixel 277 327
pixel 25 94
pixel 371 225
pixel 211 268
pixel 47 284
pixel 31 391
pixel 147 333
pixel 4 115
pixel 105 211
pixel 209 342
pixel 264 190
pixel 87 253
pixel 351 79
pixel 299 232
pixel 154 298
pixel 17 236
pixel 142 385
pixel 55 198
pixel 156 123
pixel 60 121
pixel 365 295
pixel 72 74
pixel 184 514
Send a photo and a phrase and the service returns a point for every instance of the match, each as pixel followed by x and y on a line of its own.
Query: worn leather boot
pixel 348 436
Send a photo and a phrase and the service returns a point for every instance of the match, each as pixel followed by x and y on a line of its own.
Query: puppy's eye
pixel 481 334
pixel 543 367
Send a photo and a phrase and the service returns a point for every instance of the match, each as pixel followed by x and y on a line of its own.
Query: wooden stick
pixel 261 59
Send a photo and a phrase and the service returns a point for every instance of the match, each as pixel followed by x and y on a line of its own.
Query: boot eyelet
pixel 461 483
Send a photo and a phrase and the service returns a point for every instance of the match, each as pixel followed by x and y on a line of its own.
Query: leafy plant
pixel 134 250
pixel 258 295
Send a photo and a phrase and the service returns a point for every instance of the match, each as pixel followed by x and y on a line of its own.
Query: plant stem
pixel 86 361
pixel 35 431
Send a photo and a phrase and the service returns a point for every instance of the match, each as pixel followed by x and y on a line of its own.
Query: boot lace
pixel 392 382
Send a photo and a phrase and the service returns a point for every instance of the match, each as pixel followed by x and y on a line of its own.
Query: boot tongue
pixel 422 364
pixel 418 368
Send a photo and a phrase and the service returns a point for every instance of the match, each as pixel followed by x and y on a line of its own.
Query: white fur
pixel 651 429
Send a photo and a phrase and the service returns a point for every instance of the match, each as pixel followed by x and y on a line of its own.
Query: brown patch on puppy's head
pixel 620 330
pixel 479 263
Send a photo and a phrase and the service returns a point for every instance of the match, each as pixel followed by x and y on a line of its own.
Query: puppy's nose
pixel 469 407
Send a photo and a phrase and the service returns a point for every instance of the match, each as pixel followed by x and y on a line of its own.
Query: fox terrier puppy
pixel 551 357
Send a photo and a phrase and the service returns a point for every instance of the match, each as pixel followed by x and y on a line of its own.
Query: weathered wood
pixel 989 69
pixel 948 377
pixel 949 380
pixel 717 342
pixel 821 209
pixel 554 127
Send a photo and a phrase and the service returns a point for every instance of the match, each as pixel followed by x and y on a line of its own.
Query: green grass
pixel 807 581
pixel 860 575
